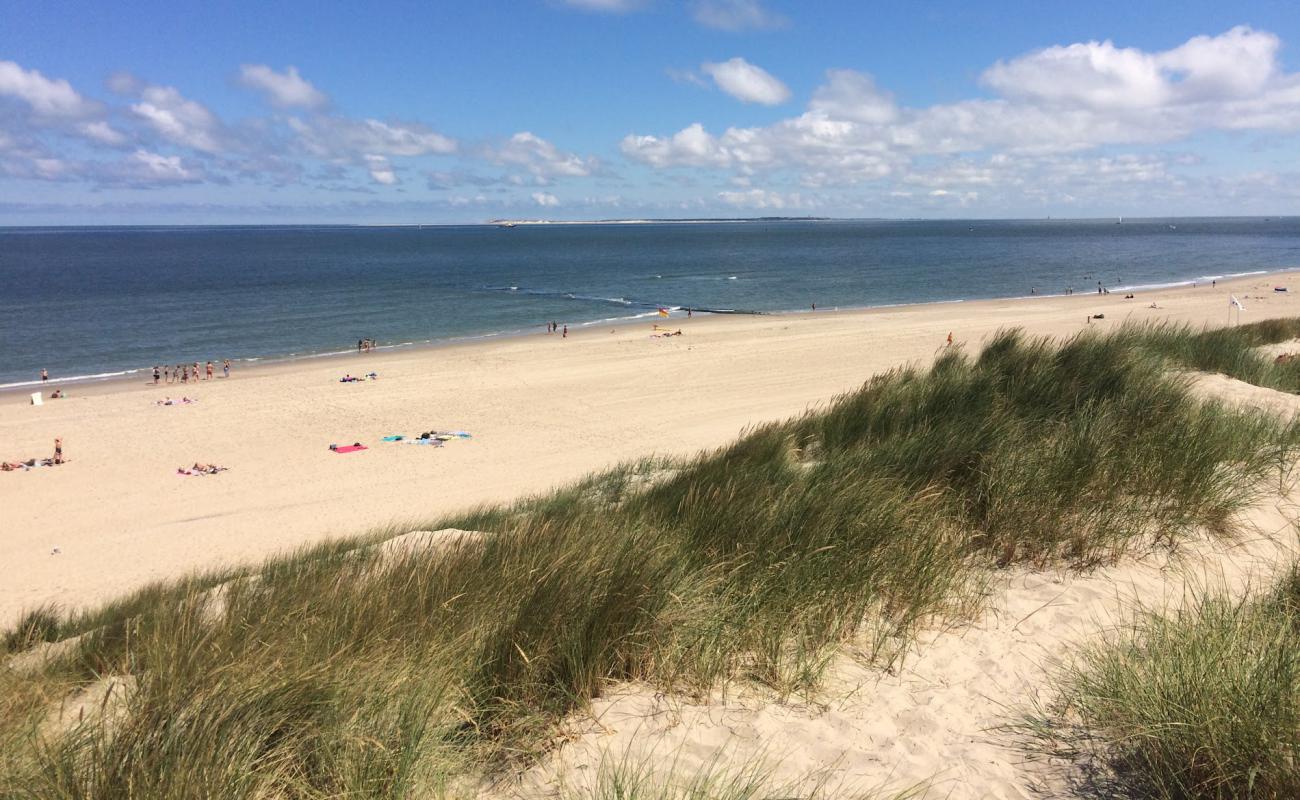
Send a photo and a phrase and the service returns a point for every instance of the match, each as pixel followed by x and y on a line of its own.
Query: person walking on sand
pixel 156 374
pixel 950 338
pixel 209 368
pixel 225 368
pixel 58 451
pixel 566 332
pixel 167 373
pixel 45 376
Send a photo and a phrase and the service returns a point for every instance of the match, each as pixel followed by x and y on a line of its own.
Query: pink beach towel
pixel 352 448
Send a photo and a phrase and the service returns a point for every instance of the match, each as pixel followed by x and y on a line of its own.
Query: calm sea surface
pixel 100 301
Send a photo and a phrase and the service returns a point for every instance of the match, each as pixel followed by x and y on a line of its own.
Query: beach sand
pixel 543 411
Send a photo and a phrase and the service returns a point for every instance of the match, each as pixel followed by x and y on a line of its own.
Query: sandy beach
pixel 542 410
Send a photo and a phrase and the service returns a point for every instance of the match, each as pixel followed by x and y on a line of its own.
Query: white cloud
pixel 46 97
pixel 540 158
pixel 853 96
pixel 102 132
pixel 179 120
pixel 1099 75
pixel 735 15
pixel 285 89
pixel 545 199
pixel 381 170
pixel 155 168
pixel 746 82
pixel 607 6
pixel 692 146
pixel 1053 102
pixel 340 137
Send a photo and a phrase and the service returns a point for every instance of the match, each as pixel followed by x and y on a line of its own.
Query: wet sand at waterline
pixel 543 411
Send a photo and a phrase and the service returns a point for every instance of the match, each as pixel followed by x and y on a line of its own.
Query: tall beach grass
pixel 348 670
pixel 1200 703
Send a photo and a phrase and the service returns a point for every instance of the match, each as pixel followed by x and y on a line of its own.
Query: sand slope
pixel 933 722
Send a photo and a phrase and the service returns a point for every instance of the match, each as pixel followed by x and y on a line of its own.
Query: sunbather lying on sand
pixel 10 466
pixel 201 469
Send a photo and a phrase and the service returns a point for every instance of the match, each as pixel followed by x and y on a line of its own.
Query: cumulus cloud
pixel 853 96
pixel 746 82
pixel 154 168
pixel 381 170
pixel 100 131
pixel 45 96
pixel 1099 75
pixel 1052 102
pixel 545 199
pixel 540 158
pixel 340 137
pixel 180 120
pixel 735 15
pixel 285 89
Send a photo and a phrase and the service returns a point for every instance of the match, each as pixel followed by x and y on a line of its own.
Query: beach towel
pixel 434 442
pixel 351 448
pixel 394 438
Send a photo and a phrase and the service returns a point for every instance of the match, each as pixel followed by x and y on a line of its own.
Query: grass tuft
pixel 1200 703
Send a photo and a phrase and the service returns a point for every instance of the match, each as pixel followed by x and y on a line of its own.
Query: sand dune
pixel 937 721
pixel 543 411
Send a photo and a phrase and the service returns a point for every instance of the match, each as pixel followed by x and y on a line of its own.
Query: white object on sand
pixel 36 399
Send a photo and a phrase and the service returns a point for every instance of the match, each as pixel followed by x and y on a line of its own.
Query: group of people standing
pixel 555 327
pixel 184 373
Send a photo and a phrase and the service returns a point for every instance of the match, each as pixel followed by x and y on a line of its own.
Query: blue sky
pixel 151 112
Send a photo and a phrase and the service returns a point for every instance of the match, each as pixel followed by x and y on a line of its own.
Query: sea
pixel 88 303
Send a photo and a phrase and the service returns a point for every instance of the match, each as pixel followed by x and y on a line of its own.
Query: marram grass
pixel 1199 703
pixel 337 673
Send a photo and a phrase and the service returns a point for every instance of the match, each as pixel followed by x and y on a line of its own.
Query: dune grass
pixel 342 671
pixel 1230 351
pixel 1201 703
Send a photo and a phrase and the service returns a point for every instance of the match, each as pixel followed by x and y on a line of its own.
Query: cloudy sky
pixel 396 112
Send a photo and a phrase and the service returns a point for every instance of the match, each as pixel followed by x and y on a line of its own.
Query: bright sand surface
pixel 543 411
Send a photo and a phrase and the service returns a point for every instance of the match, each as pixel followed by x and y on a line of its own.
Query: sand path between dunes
pixel 543 411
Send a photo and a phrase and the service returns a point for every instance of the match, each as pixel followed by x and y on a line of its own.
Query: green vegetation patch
pixel 342 671
pixel 1201 703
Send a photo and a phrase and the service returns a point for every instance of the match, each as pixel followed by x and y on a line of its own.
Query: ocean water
pixel 94 302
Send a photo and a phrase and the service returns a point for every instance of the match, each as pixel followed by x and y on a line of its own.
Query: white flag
pixel 1237 302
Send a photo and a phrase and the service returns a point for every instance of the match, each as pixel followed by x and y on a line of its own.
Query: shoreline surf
pixel 131 376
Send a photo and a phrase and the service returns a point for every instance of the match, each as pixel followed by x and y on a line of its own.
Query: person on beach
pixel 45 376
pixel 156 374
pixel 195 371
pixel 950 338
pixel 566 332
pixel 209 371
pixel 58 451
pixel 225 368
